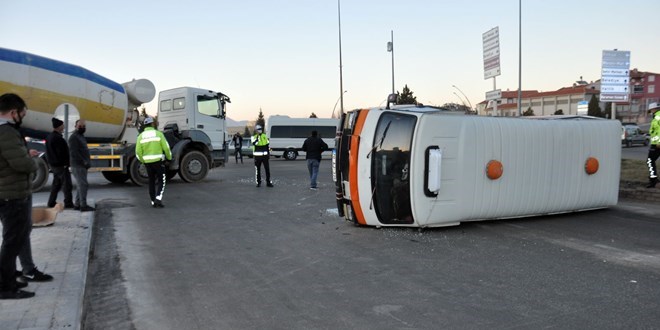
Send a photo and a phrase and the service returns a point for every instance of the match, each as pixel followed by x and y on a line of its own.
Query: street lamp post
pixel 341 79
pixel 468 100
pixel 390 48
pixel 460 98
pixel 335 107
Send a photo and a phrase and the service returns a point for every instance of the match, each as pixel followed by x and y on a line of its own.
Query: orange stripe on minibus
pixel 353 164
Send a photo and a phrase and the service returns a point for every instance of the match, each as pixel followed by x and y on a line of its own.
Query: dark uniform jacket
pixel 16 165
pixel 57 151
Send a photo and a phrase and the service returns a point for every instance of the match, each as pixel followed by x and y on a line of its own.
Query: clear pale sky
pixel 283 56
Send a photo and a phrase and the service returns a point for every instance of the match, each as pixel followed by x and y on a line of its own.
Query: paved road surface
pixel 226 255
pixel 635 152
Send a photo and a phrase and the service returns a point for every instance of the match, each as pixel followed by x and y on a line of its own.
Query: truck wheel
pixel 138 172
pixel 40 178
pixel 115 176
pixel 194 166
pixel 290 155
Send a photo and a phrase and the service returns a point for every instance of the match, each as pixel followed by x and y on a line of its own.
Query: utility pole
pixel 341 79
pixel 520 58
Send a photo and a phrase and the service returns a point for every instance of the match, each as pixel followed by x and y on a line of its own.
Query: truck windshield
pixel 390 168
pixel 209 106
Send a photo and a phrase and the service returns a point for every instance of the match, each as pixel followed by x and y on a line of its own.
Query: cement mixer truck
pixel 193 119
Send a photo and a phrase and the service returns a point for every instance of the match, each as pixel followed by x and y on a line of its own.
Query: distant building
pixel 643 91
pixel 542 103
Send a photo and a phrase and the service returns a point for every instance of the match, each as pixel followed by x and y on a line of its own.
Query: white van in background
pixel 287 134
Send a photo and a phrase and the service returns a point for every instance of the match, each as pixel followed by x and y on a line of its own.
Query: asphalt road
pixel 635 152
pixel 223 254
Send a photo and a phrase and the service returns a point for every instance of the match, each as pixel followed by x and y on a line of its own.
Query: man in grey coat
pixel 80 163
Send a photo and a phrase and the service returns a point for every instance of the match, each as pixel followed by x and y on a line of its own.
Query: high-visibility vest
pixel 151 146
pixel 260 145
pixel 654 130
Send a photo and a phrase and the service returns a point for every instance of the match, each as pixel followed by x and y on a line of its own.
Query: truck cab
pixel 193 121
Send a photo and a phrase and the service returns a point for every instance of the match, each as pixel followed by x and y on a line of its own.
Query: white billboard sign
pixel 494 95
pixel 582 108
pixel 614 81
pixel 491 47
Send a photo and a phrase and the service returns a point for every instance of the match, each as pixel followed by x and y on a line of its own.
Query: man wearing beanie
pixel 57 154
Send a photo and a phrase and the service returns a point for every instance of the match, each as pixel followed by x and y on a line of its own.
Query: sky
pixel 283 56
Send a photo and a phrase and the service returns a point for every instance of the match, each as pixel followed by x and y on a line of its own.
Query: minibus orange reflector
pixel 494 169
pixel 591 165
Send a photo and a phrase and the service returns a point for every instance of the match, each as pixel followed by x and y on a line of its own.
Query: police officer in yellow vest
pixel 654 150
pixel 152 150
pixel 261 153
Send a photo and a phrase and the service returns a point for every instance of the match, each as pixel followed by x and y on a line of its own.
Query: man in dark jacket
pixel 238 144
pixel 314 147
pixel 16 166
pixel 57 154
pixel 80 163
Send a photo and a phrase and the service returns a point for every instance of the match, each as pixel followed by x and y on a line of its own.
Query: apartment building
pixel 643 91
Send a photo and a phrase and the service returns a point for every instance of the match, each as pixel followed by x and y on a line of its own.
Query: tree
pixel 528 112
pixel 260 119
pixel 455 107
pixel 313 115
pixel 559 112
pixel 406 97
pixel 594 108
pixel 246 131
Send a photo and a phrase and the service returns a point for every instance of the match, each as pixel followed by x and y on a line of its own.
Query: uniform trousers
pixel 157 179
pixel 258 161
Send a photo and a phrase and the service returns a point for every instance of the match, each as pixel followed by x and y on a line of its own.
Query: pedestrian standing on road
pixel 261 153
pixel 57 155
pixel 152 150
pixel 314 147
pixel 654 150
pixel 80 163
pixel 238 144
pixel 16 167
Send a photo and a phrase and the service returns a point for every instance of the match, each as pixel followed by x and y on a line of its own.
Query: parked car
pixel 632 134
pixel 246 149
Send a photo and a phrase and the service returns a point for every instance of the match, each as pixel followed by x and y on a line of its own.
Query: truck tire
pixel 290 154
pixel 194 166
pixel 138 172
pixel 115 176
pixel 40 178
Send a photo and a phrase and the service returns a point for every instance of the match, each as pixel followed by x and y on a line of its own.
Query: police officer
pixel 152 150
pixel 260 147
pixel 654 150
